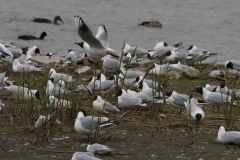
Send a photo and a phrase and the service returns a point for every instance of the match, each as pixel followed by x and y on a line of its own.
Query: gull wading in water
pixel 94 45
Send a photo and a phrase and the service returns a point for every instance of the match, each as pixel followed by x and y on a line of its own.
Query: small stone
pixel 83 70
pixel 43 61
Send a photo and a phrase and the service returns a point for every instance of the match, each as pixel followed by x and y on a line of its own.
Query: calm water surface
pixel 209 24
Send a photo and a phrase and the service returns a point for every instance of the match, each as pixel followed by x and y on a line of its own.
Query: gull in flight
pixel 94 45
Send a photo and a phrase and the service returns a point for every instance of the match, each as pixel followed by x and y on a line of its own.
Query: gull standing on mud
pixel 214 98
pixel 194 111
pixel 177 100
pixel 87 125
pixel 97 46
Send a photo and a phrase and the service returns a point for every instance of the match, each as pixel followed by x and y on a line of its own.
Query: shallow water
pixel 213 25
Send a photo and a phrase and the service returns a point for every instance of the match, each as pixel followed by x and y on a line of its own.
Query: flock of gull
pixel 148 91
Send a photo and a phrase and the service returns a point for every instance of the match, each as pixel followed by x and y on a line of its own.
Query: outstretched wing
pixel 86 34
pixel 102 35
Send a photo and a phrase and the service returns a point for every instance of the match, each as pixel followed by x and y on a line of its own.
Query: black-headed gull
pixel 218 73
pixel 159 69
pixel 128 101
pixel 101 105
pixel 23 91
pixel 2 79
pixel 95 45
pixel 59 103
pixel 159 54
pixel 87 125
pixel 220 89
pixel 5 51
pixel 55 90
pixel 193 110
pixel 110 63
pixel 176 56
pixel 84 156
pixel 139 52
pixel 18 67
pixel 100 149
pixel 51 55
pixel 199 53
pixel 71 56
pixel 93 83
pixel 56 77
pixel 1 105
pixel 150 83
pixel 233 67
pixel 83 90
pixel 177 100
pixel 130 74
pixel 214 98
pixel 230 137
pixel 106 86
pixel 164 45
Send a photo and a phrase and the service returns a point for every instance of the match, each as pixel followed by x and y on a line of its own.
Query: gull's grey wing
pixel 160 53
pixel 5 51
pixel 180 56
pixel 59 76
pixel 128 101
pixel 199 50
pixel 16 89
pixel 2 80
pixel 86 34
pixel 134 74
pixel 106 85
pixel 84 156
pixel 102 35
pixel 110 63
pixel 129 82
pixel 216 98
pixel 26 68
pixel 230 137
pixel 90 122
pixel 236 65
pixel 138 51
pixel 98 147
pixel 179 99
pixel 109 107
